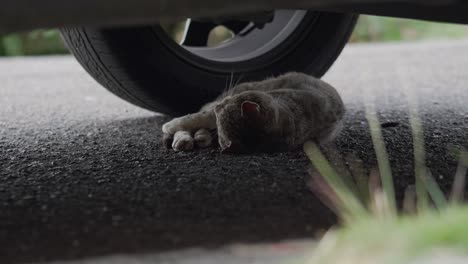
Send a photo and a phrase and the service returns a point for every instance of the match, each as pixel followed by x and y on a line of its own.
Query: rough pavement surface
pixel 83 173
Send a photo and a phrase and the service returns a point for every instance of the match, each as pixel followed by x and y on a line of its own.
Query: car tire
pixel 140 65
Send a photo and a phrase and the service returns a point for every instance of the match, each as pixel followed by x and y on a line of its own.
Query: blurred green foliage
pixel 37 42
pixel 384 29
pixel 369 29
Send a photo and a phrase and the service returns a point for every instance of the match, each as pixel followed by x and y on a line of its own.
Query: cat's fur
pixel 271 115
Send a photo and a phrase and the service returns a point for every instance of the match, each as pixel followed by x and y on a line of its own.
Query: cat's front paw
pixel 171 127
pixel 182 141
pixel 203 138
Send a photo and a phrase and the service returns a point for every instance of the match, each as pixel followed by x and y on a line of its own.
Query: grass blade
pixel 459 183
pixel 385 170
pixel 352 208
pixel 360 177
pixel 425 185
pixel 434 191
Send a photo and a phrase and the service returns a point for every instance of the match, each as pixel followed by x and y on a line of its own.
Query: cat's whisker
pixel 228 85
pixel 231 81
pixel 241 76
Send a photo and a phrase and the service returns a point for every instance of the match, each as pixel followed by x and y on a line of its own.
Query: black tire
pixel 137 64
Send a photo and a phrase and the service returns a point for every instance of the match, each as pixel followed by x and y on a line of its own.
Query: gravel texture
pixel 83 173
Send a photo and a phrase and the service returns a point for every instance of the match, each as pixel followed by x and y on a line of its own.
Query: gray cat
pixel 276 114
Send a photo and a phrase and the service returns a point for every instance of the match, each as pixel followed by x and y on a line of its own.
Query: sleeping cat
pixel 276 114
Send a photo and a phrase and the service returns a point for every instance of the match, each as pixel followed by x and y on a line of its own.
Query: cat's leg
pixel 178 124
pixel 192 123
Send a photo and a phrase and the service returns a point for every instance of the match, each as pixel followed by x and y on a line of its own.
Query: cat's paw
pixel 203 138
pixel 183 141
pixel 172 126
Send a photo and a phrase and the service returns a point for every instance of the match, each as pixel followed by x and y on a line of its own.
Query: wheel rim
pixel 255 43
pixel 251 48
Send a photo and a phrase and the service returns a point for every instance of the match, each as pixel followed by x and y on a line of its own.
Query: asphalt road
pixel 83 173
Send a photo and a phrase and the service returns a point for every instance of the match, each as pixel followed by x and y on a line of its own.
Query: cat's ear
pixel 249 108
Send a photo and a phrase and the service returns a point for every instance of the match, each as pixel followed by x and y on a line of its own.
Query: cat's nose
pixel 225 145
pixel 229 147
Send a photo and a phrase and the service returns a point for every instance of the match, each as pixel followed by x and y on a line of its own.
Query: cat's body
pixel 275 114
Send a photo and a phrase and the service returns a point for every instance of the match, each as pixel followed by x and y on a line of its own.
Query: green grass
pixel 38 42
pixel 398 240
pixel 372 230
pixel 385 29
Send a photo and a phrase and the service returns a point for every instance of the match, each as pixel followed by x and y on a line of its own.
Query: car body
pixel 16 15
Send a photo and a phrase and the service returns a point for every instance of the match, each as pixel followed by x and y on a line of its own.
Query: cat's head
pixel 246 122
